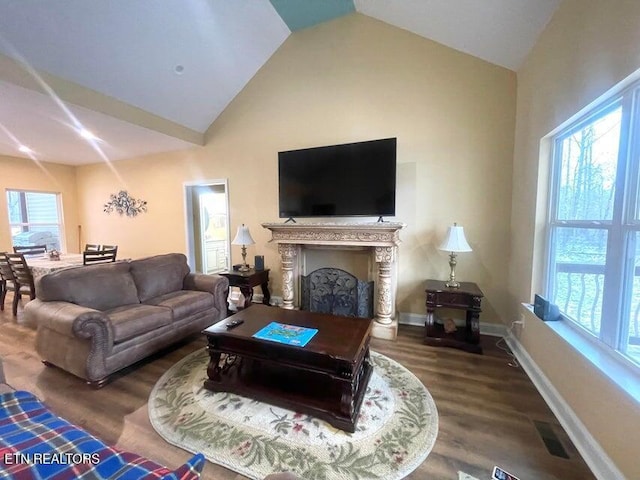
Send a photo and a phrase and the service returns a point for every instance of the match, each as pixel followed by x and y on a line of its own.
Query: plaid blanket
pixel 37 444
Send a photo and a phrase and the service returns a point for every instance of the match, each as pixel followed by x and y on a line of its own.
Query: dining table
pixel 41 264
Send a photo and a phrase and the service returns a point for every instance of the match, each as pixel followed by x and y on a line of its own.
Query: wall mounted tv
pixel 353 179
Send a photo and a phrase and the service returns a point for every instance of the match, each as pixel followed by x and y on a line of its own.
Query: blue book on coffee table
pixel 287 334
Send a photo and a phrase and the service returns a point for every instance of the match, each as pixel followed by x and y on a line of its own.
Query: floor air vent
pixel 550 439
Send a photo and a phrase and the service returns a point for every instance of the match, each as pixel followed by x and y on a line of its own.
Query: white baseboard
pixel 411 319
pixel 596 458
pixel 416 319
pixel 257 298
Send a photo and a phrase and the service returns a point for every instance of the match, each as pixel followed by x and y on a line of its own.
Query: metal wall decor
pixel 125 204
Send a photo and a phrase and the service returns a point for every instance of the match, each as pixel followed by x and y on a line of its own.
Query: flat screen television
pixel 353 179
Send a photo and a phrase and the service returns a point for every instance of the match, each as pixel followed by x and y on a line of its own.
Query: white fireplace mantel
pixel 381 237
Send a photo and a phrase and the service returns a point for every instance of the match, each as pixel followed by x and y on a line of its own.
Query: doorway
pixel 207 214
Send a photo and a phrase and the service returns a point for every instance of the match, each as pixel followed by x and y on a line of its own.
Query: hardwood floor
pixel 486 408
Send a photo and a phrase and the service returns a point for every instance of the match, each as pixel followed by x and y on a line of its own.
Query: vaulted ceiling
pixel 146 76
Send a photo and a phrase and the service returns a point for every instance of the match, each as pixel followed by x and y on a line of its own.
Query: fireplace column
pixel 385 256
pixel 287 253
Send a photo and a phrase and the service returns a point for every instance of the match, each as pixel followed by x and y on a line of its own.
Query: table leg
pixel 248 295
pixel 346 401
pixel 473 327
pixel 266 295
pixel 430 323
pixel 213 369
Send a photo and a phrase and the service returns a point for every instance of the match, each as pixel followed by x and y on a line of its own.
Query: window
pixel 594 224
pixel 34 218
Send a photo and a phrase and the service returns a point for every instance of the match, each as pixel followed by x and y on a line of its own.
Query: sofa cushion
pixel 129 321
pixel 184 303
pixel 155 276
pixel 100 287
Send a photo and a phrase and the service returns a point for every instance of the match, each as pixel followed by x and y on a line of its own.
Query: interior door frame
pixel 188 215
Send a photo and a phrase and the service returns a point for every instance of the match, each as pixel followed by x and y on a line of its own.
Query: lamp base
pixel 452 276
pixel 244 267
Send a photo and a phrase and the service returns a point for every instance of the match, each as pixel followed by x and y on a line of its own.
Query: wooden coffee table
pixel 327 378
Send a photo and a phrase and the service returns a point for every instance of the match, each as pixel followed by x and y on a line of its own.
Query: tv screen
pixel 353 179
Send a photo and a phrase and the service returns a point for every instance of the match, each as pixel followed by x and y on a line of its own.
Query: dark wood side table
pixel 247 280
pixel 466 297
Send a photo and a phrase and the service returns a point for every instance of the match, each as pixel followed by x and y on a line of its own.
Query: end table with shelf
pixel 466 297
pixel 245 281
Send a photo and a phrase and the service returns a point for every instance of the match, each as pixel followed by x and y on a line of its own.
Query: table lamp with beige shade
pixel 243 237
pixel 454 243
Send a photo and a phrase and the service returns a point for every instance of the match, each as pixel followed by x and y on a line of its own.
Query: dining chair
pixel 30 249
pixel 7 281
pixel 22 277
pixel 92 247
pixel 103 256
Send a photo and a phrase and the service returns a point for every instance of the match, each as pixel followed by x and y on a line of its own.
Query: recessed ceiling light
pixel 179 69
pixel 24 149
pixel 84 133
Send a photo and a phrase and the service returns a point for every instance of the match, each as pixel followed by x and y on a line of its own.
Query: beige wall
pixel 158 180
pixel 348 80
pixel 357 79
pixel 587 48
pixel 25 174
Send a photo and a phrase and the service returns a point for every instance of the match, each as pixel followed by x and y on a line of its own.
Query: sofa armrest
pixel 4 386
pixel 71 320
pixel 215 284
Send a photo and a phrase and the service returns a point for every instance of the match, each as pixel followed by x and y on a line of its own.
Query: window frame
pixel 59 211
pixel 623 229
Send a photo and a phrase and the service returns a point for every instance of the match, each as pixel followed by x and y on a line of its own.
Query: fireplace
pixel 379 239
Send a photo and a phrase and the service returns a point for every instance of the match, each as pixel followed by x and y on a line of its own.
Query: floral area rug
pixel 396 429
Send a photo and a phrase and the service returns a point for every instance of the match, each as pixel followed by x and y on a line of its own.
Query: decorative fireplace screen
pixel 332 290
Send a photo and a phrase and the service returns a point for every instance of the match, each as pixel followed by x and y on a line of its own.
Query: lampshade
pixel 243 236
pixel 455 240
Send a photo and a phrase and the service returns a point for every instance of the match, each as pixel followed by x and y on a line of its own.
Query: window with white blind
pixel 35 219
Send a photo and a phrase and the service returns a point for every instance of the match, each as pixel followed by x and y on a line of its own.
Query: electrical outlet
pixel 519 322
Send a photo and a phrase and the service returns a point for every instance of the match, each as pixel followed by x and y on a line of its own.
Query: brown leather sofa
pixel 95 320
